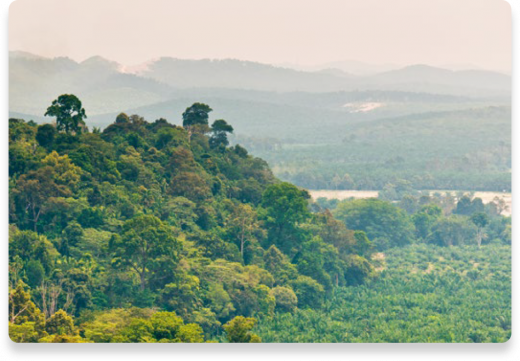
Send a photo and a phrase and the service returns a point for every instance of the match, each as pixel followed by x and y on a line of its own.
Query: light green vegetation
pixel 424 294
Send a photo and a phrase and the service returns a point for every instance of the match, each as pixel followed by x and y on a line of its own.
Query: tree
pixel 183 295
pixel 286 300
pixel 197 114
pixel 425 219
pixel 385 224
pixel 65 172
pixel 35 273
pixel 60 324
pixel 279 265
pixel 243 223
pixel 69 114
pixel 480 220
pixel 311 261
pixel 190 333
pixel 285 206
pixel 467 206
pixel 196 118
pixel 138 330
pixel 23 333
pixel 45 135
pixel 363 246
pixel 166 325
pixel 71 237
pixel 33 190
pixel 22 309
pixel 238 330
pixel 309 292
pixel 190 185
pixel 219 130
pixel 146 246
pixel 452 231
pixel 122 118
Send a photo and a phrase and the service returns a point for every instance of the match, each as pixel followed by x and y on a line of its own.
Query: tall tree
pixel 69 114
pixel 286 206
pixel 196 117
pixel 244 223
pixel 219 130
pixel 480 220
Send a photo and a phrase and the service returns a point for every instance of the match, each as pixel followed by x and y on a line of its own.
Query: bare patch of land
pixel 341 195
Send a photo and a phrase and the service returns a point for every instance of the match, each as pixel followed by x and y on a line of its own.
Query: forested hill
pixel 150 232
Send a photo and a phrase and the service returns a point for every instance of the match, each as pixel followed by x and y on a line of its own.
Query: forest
pixel 466 149
pixel 154 232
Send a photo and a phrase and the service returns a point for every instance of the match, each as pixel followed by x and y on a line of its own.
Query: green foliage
pixel 45 135
pixel 386 225
pixel 309 292
pixel 219 130
pixel 69 114
pixel 147 247
pixel 60 324
pixel 286 300
pixel 23 333
pixel 238 330
pixel 197 114
pixel 425 294
pixel 467 148
pixel 467 206
pixel 285 207
pixel 452 231
pixel 150 232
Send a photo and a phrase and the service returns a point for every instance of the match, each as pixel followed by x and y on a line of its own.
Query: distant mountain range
pixel 106 87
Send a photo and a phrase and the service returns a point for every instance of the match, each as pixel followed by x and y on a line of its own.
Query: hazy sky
pixel 307 32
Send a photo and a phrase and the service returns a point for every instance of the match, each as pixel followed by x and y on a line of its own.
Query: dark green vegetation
pixel 424 294
pixel 434 128
pixel 151 232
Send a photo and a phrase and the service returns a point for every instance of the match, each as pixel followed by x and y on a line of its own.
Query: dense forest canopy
pixel 153 232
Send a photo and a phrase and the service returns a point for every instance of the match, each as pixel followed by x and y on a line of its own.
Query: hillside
pixel 157 216
pixel 474 82
pixel 464 149
pixel 35 81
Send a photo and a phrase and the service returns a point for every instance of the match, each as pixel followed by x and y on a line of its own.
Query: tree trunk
pixel 143 281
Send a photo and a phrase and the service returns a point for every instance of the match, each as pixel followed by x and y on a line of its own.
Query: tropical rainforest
pixel 153 232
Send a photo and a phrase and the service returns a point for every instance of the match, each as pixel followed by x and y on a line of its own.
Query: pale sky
pixel 306 32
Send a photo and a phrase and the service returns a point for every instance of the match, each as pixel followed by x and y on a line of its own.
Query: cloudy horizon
pixel 297 34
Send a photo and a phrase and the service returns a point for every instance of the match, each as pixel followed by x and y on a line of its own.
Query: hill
pixel 106 86
pixel 437 80
pixel 464 149
pixel 154 216
pixel 35 81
